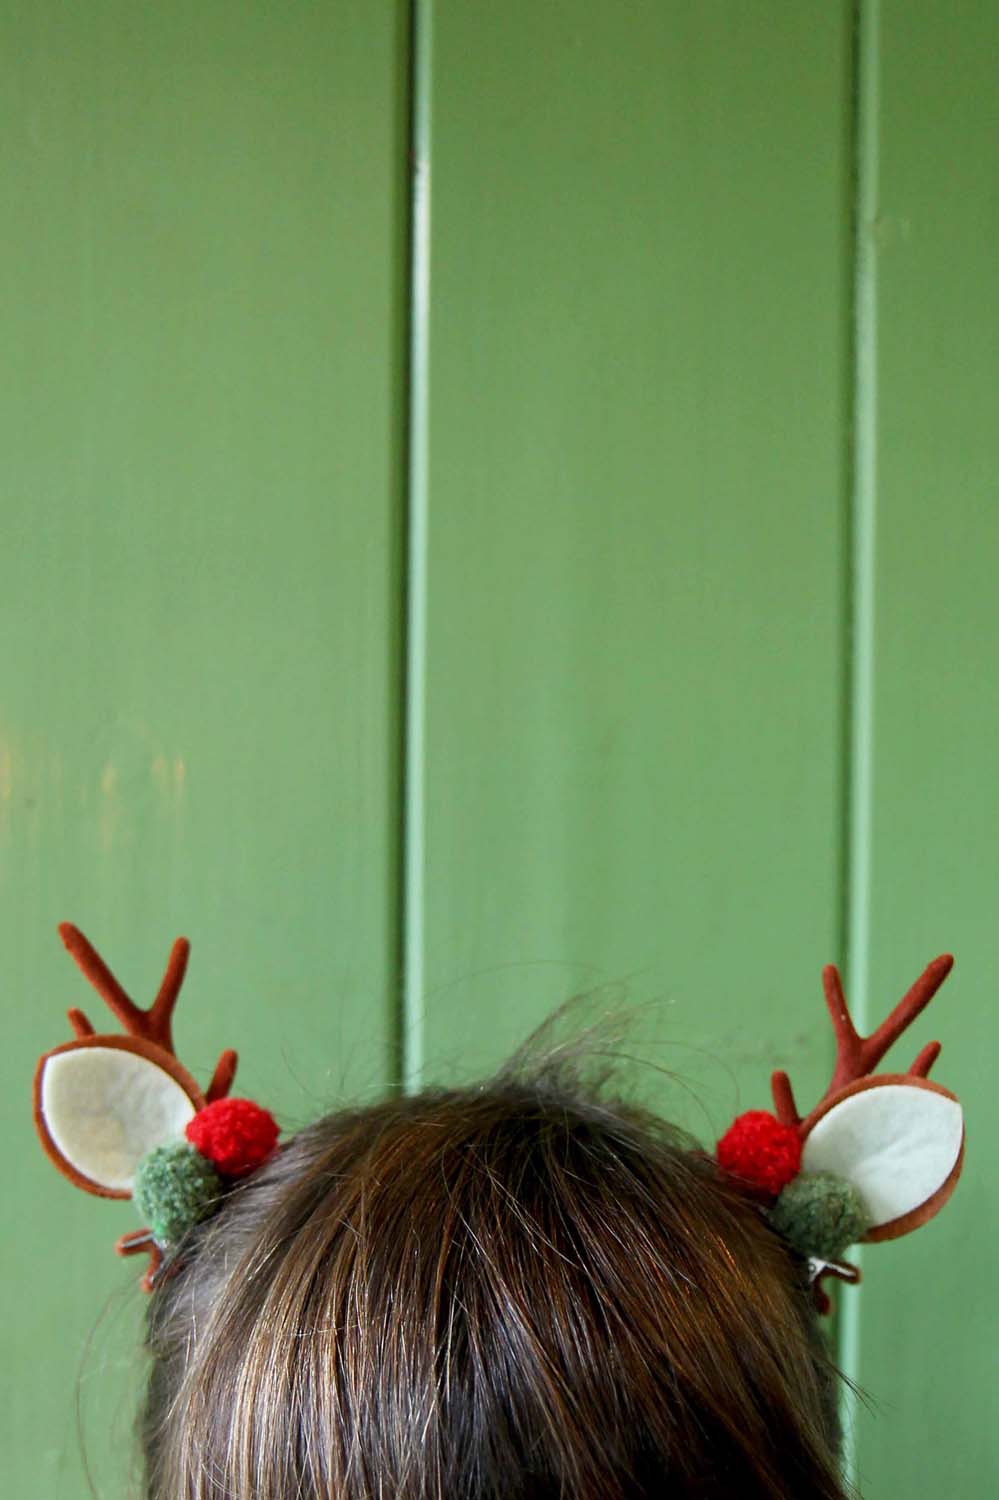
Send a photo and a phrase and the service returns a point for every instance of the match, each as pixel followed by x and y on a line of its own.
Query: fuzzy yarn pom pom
pixel 236 1135
pixel 820 1214
pixel 760 1151
pixel 174 1187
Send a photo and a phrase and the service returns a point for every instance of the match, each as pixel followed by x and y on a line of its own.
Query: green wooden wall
pixel 204 309
pixel 498 504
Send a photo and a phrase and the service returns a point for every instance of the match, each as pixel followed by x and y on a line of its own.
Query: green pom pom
pixel 174 1187
pixel 820 1215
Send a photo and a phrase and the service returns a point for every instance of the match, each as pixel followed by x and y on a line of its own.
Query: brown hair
pixel 512 1292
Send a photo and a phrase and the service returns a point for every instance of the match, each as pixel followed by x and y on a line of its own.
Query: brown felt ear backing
pixel 877 1134
pixel 874 1081
pixel 138 1047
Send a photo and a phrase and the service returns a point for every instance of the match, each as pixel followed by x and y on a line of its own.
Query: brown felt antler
pixel 857 1056
pixel 152 1025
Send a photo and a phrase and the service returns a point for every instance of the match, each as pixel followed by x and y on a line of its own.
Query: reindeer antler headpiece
pixel 879 1154
pixel 122 1118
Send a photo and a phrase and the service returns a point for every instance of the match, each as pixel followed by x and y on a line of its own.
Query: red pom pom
pixel 761 1151
pixel 235 1135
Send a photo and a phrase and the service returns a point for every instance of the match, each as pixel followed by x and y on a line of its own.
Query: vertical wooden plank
pixel 927 1337
pixel 203 283
pixel 637 438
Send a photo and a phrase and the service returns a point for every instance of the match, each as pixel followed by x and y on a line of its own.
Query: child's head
pixel 516 1290
pixel 511 1291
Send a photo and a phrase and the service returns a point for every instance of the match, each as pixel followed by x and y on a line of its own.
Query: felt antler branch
pixel 857 1056
pixel 152 1026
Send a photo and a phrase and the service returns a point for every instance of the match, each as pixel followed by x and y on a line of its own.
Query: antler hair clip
pixel 879 1154
pixel 121 1117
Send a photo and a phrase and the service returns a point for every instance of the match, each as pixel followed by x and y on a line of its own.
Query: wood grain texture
pixel 203 273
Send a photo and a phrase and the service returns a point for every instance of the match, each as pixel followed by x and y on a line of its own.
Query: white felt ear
pixel 105 1107
pixel 897 1144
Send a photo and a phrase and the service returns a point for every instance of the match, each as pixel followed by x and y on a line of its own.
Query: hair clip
pixel 879 1154
pixel 122 1118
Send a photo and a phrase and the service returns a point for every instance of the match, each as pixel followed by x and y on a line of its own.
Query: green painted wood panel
pixel 928 1328
pixel 630 698
pixel 634 574
pixel 203 265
